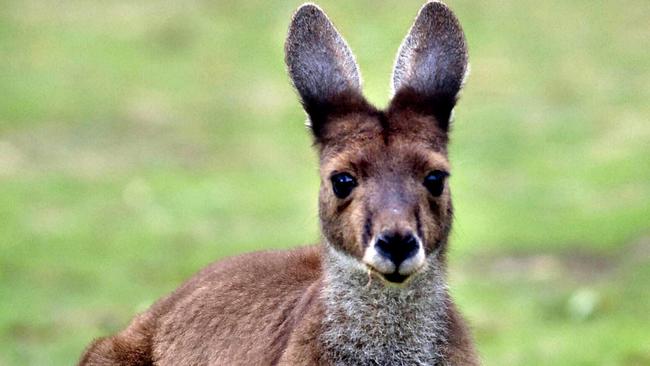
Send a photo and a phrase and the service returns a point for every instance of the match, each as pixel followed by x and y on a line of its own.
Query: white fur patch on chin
pixel 413 264
pixel 377 261
pixel 384 265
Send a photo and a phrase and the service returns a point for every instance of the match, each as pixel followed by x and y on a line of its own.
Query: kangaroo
pixel 374 291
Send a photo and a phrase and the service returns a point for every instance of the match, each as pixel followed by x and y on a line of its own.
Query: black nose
pixel 397 247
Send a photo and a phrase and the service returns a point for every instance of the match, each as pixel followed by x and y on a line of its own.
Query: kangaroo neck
pixel 370 322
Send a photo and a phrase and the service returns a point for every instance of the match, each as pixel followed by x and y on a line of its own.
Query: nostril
pixel 397 247
pixel 411 245
pixel 383 246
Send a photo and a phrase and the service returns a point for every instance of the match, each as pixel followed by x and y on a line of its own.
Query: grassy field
pixel 142 140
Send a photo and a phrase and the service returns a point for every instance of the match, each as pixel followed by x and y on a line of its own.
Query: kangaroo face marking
pixel 389 220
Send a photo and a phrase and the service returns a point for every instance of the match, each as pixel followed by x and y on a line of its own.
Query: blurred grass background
pixel 142 140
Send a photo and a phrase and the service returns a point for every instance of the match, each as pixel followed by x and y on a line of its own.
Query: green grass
pixel 142 140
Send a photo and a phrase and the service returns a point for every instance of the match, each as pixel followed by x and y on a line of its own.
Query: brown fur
pixel 267 314
pixel 269 308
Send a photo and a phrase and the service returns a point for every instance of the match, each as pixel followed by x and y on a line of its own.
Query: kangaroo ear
pixel 321 66
pixel 431 64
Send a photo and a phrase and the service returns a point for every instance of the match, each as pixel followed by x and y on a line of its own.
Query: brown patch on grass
pixel 577 264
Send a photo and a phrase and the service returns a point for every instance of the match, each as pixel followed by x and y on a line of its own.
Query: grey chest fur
pixel 370 323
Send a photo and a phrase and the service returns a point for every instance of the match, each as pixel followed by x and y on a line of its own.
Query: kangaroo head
pixel 384 197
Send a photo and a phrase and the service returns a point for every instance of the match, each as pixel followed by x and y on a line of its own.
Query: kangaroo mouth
pixel 391 277
pixel 387 271
pixel 395 277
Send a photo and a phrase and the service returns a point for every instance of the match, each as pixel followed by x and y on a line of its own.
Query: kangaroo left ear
pixel 431 64
pixel 321 66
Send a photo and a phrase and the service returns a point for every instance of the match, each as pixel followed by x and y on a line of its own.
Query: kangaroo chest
pixel 369 323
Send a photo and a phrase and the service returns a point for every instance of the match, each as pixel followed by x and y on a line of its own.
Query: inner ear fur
pixel 322 68
pixel 431 64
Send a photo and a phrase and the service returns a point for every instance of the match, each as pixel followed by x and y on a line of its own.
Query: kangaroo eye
pixel 435 182
pixel 343 184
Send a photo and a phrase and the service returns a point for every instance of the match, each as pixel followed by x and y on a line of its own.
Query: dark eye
pixel 343 184
pixel 435 182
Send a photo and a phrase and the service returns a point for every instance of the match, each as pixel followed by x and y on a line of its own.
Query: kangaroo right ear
pixel 321 66
pixel 431 64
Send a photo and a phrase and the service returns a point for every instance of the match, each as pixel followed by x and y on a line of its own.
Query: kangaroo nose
pixel 397 247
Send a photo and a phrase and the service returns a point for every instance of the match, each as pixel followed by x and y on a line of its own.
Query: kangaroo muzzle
pixel 395 255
